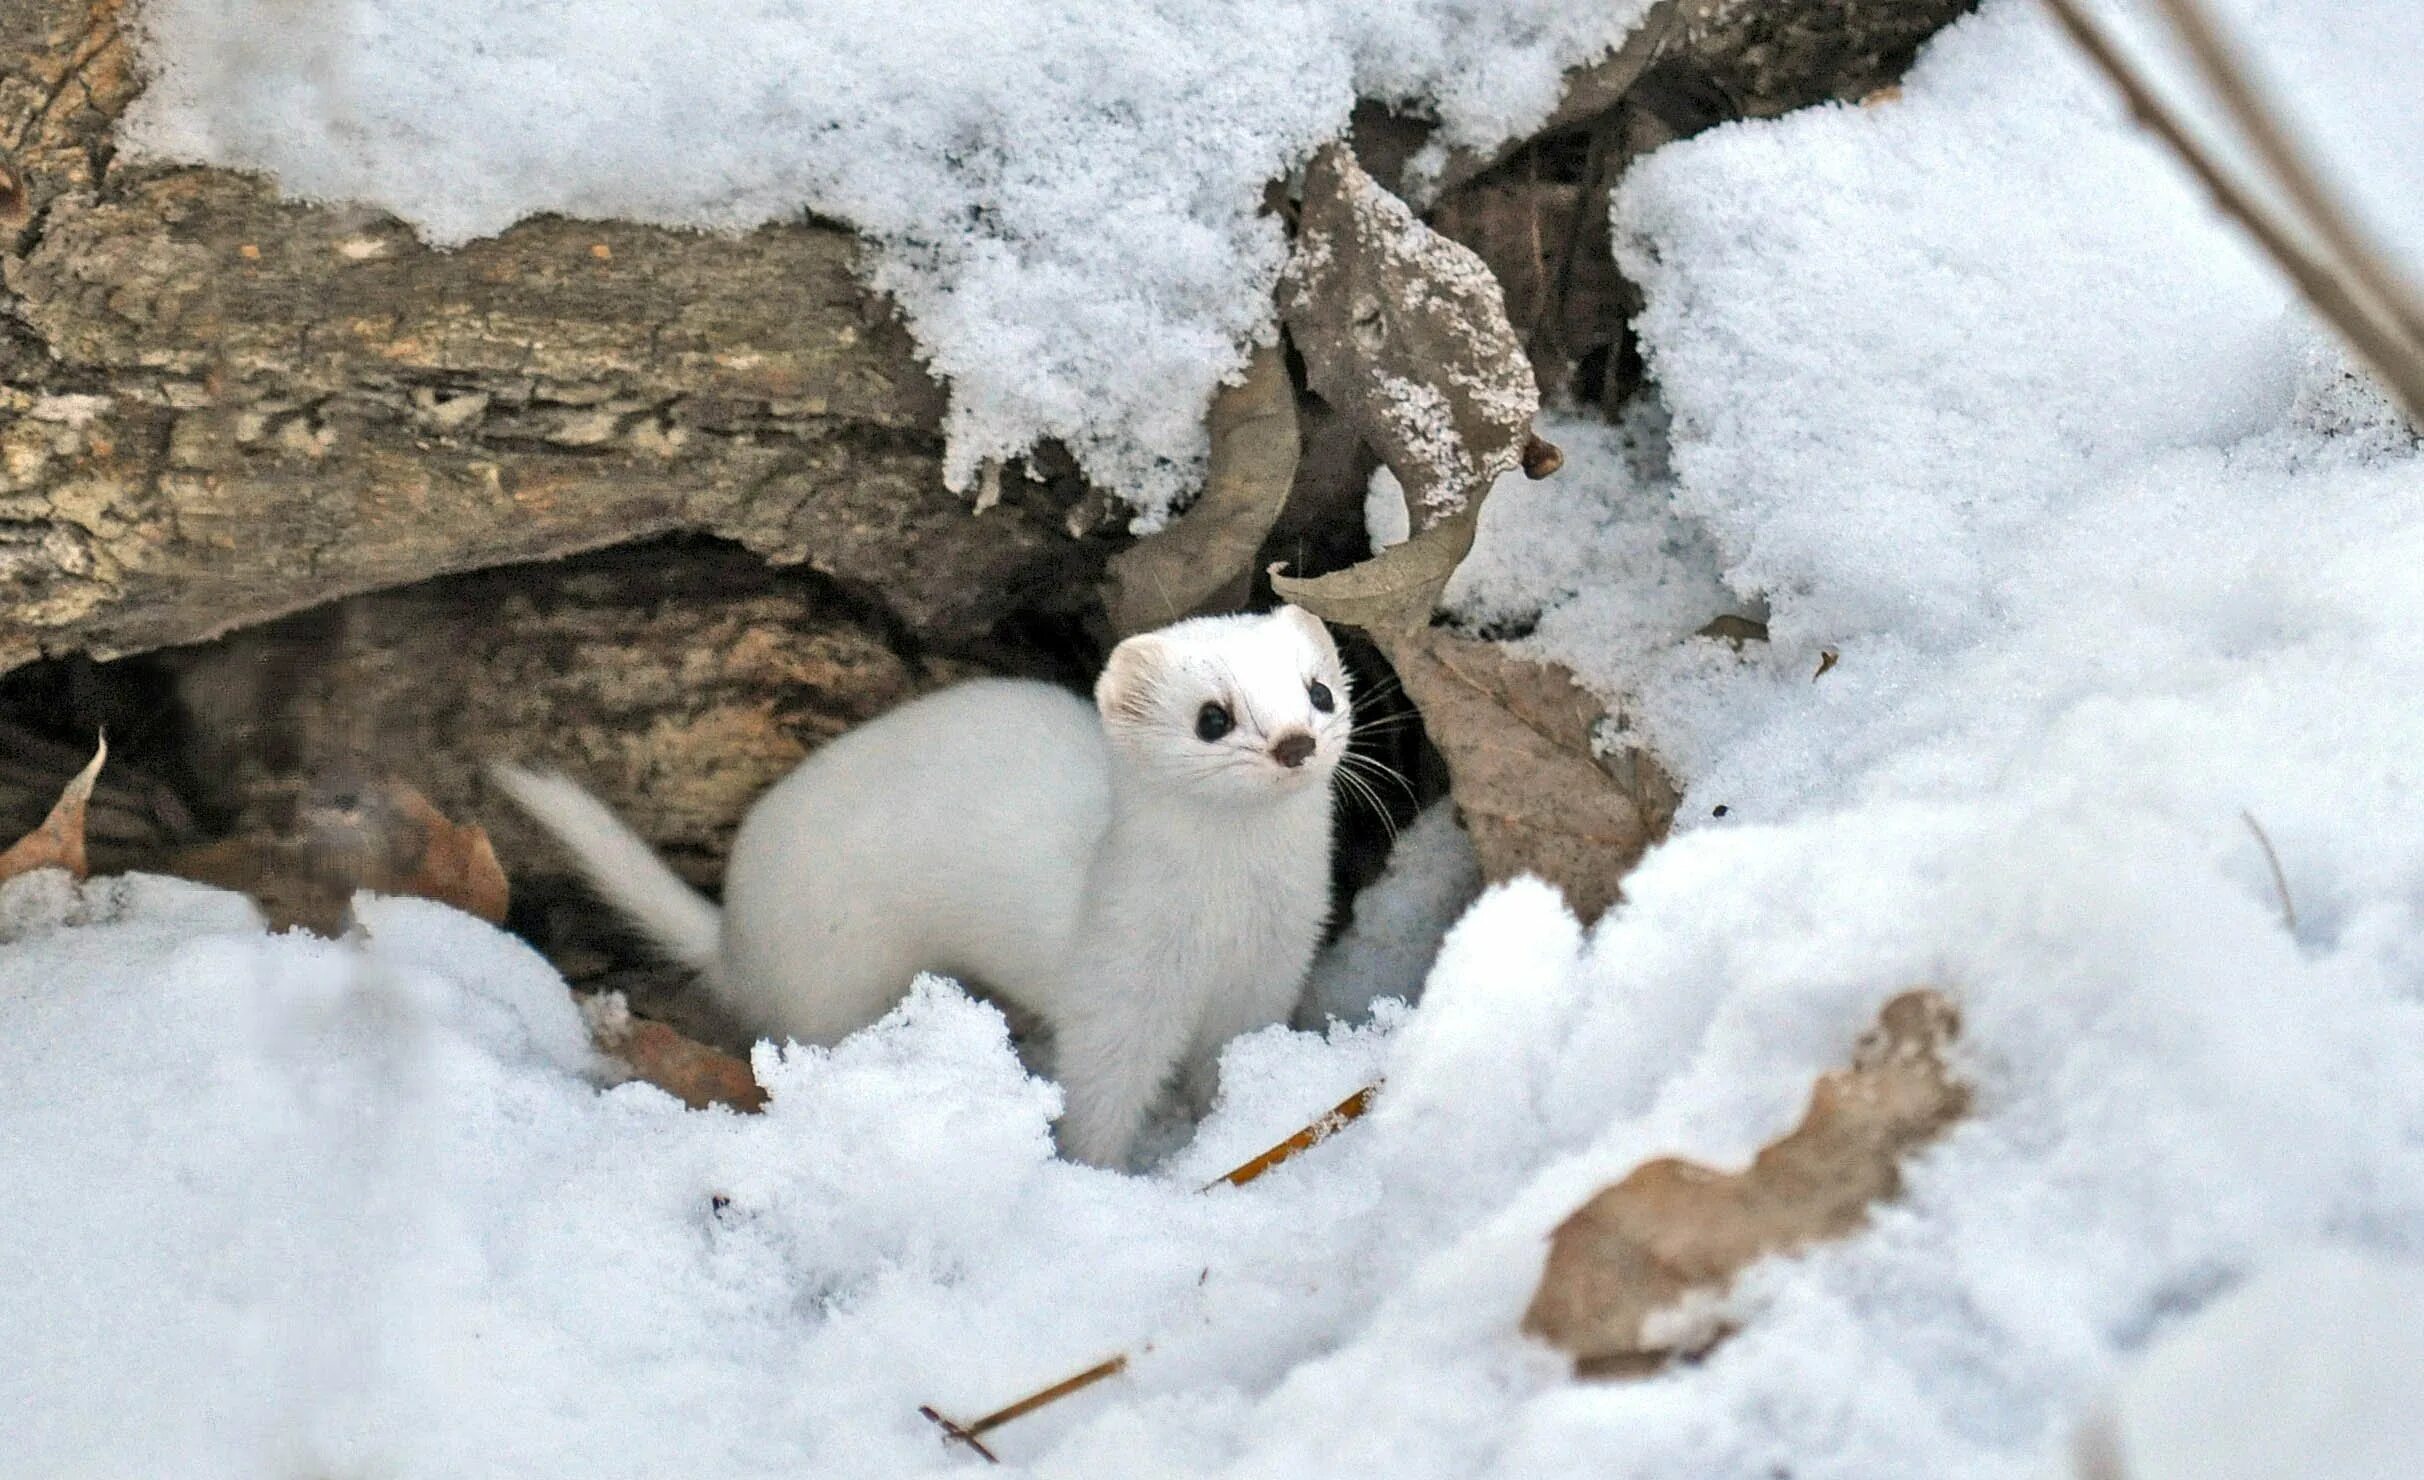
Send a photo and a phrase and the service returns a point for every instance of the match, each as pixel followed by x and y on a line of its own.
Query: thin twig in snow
pixel 2289 910
pixel 1346 1111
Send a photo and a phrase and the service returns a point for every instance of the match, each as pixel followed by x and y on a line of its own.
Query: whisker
pixel 1362 791
pixel 1374 766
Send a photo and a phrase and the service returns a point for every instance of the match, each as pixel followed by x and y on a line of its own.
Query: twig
pixel 1345 1112
pixel 958 1435
pixel 971 1434
pixel 2289 911
pixel 1342 1114
pixel 2233 82
pixel 2372 328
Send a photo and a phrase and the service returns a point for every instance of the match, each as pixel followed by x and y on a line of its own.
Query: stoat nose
pixel 1292 749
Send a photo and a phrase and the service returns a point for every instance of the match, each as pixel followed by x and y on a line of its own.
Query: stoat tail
pixel 619 864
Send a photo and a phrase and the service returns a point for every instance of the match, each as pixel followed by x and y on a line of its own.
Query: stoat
pixel 1149 874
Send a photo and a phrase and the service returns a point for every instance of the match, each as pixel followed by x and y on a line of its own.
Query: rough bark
pixel 217 407
pixel 679 682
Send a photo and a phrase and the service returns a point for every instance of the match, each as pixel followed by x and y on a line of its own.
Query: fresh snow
pixel 1063 196
pixel 2119 565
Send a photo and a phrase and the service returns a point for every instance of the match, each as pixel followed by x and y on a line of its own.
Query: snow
pixel 1064 197
pixel 2117 562
pixel 1397 923
pixel 2322 1341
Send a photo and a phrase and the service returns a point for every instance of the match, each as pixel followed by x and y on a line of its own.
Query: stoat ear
pixel 1125 690
pixel 1315 630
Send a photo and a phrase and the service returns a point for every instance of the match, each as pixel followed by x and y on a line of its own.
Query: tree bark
pixel 217 407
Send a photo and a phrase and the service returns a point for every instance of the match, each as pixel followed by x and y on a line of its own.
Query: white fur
pixel 620 864
pixel 1148 894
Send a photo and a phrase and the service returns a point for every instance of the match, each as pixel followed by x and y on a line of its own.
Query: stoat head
pixel 1229 708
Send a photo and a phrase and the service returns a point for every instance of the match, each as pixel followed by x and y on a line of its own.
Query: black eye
pixel 1212 721
pixel 1319 693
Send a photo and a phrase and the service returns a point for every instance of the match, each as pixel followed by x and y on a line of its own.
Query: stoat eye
pixel 1213 721
pixel 1319 693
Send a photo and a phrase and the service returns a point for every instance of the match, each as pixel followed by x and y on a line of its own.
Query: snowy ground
pixel 2114 557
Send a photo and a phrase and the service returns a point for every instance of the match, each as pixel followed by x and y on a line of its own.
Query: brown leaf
pixel 355 834
pixel 59 841
pixel 1735 628
pixel 688 1070
pixel 1625 1273
pixel 1405 333
pixel 1178 571
pixel 1517 739
pixel 1394 589
pixel 455 863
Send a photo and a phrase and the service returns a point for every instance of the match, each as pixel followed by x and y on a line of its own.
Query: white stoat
pixel 1149 875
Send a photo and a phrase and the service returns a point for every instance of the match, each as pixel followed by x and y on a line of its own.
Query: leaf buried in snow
pixel 1637 1276
pixel 353 833
pixel 1405 332
pixel 59 841
pixel 1181 569
pixel 684 1068
pixel 1535 796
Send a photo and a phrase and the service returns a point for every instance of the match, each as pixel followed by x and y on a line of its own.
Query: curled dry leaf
pixel 1394 590
pixel 1404 332
pixel 684 1068
pixel 1535 794
pixel 354 834
pixel 59 841
pixel 1637 1275
pixel 1211 547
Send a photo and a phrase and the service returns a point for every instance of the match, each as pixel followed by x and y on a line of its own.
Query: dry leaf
pixel 1634 1277
pixel 356 834
pixel 59 841
pixel 1179 571
pixel 454 862
pixel 1534 795
pixel 1393 590
pixel 1405 332
pixel 1735 628
pixel 684 1068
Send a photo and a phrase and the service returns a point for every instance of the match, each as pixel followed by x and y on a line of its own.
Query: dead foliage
pixel 1405 333
pixel 1635 1278
pixel 1529 780
pixel 683 1067
pixel 1208 552
pixel 59 841
pixel 353 834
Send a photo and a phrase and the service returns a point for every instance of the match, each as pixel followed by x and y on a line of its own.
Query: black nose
pixel 1292 749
